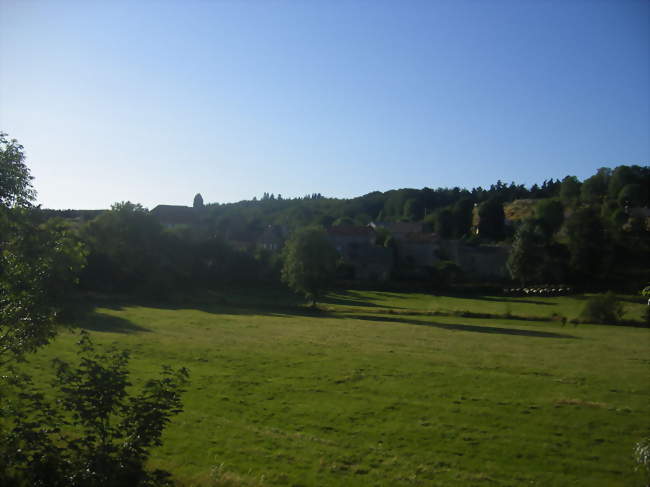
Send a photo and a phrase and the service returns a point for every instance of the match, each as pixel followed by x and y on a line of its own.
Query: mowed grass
pixel 369 392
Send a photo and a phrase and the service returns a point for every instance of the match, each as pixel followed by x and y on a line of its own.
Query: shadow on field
pixel 511 300
pixel 459 327
pixel 347 298
pixel 86 317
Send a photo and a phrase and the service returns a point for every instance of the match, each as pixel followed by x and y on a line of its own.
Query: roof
pixel 174 214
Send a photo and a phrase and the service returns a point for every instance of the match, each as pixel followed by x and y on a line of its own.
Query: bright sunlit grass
pixel 357 396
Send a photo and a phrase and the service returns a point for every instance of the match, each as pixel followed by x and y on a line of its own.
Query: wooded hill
pixel 593 232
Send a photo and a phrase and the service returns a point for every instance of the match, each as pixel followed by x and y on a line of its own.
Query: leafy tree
pixel 462 216
pixel 444 223
pixel 309 263
pixel 491 219
pixel 526 256
pixel 38 262
pixel 94 434
pixel 198 201
pixel 587 242
pixel 621 176
pixel 594 189
pixel 15 179
pixel 570 189
pixel 75 441
pixel 632 195
pixel 129 251
pixel 39 265
pixel 550 215
pixel 602 308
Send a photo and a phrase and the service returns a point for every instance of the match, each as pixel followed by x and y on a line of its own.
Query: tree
pixel 73 442
pixel 128 251
pixel 602 308
pixel 462 214
pixel 587 243
pixel 15 179
pixel 526 256
pixel 570 189
pixel 491 219
pixel 93 434
pixel 444 223
pixel 594 189
pixel 198 201
pixel 38 262
pixel 309 263
pixel 550 215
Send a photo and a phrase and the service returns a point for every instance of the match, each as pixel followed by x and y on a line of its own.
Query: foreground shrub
pixel 602 308
pixel 642 456
pixel 93 434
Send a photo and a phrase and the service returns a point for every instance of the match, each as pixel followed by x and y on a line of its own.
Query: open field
pixel 376 391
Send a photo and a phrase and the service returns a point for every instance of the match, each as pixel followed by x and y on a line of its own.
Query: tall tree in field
pixel 310 263
pixel 526 257
pixel 198 201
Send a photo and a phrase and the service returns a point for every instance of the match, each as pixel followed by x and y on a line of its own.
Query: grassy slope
pixel 354 397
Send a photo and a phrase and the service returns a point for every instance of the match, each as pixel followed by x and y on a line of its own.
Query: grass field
pixel 374 390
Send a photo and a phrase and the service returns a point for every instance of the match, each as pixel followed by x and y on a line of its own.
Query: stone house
pixel 356 245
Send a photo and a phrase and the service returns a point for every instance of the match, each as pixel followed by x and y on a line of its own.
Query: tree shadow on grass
pixel 85 316
pixel 347 298
pixel 460 327
pixel 511 300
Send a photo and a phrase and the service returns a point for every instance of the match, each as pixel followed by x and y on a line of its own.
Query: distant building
pixel 418 249
pixel 480 261
pixel 272 238
pixel 399 230
pixel 356 245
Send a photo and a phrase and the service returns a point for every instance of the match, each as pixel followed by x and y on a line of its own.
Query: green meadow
pixel 385 388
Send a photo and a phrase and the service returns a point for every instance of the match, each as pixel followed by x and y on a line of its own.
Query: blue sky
pixel 155 101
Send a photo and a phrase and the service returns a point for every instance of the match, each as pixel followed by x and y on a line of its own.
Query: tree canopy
pixel 309 263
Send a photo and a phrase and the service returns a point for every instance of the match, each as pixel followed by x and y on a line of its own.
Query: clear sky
pixel 154 101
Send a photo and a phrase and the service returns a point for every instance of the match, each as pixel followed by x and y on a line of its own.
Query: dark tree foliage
pixel 198 201
pixel 594 189
pixel 93 434
pixel 588 244
pixel 444 223
pixel 39 261
pixel 526 254
pixel 570 189
pixel 462 217
pixel 39 265
pixel 491 219
pixel 310 263
pixel 15 179
pixel 602 308
pixel 550 215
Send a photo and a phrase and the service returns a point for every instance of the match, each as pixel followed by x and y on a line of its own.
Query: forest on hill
pixel 592 233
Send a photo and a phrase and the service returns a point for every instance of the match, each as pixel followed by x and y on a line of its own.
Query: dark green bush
pixel 602 308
